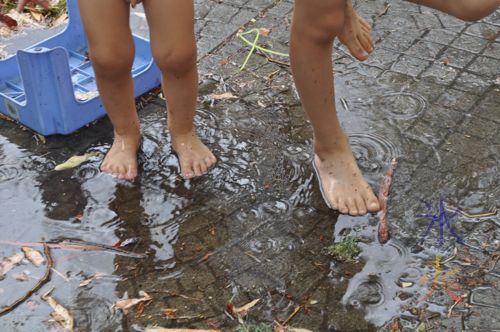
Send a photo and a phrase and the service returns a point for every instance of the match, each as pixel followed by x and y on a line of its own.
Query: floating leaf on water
pixel 60 314
pixel 98 275
pixel 8 263
pixel 126 304
pixel 23 276
pixel 405 284
pixel 75 161
pixel 83 96
pixel 34 256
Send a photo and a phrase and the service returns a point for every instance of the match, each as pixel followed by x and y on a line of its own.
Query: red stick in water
pixel 383 197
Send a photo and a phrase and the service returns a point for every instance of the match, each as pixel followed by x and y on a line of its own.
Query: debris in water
pixel 75 161
pixel 8 263
pixel 383 197
pixel 344 251
pixel 126 304
pixel 34 256
pixel 96 276
pixel 60 314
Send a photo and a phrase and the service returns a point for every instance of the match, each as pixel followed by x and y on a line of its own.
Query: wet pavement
pixel 255 227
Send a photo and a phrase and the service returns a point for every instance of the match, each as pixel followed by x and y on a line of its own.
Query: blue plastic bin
pixel 39 86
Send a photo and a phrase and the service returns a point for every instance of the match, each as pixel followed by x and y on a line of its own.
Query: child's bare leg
pixel 173 43
pixel 467 10
pixel 315 25
pixel 111 51
pixel 356 33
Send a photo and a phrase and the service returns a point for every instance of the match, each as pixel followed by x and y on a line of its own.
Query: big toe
pixel 187 170
pixel 358 51
pixel 372 203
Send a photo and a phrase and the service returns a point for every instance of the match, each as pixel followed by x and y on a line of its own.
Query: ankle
pixel 334 145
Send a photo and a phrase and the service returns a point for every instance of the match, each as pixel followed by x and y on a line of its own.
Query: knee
pixel 112 62
pixel 323 29
pixel 176 60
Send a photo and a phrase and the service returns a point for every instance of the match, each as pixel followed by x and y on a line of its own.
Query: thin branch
pixel 39 284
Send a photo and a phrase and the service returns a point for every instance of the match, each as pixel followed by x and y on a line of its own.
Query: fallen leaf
pixel 264 32
pixel 36 14
pixel 140 310
pixel 8 263
pixel 98 275
pixel 60 20
pixel 395 326
pixel 230 308
pixel 60 314
pixel 127 242
pixel 246 307
pixel 74 161
pixel 34 256
pixel 222 96
pixel 126 304
pixel 23 276
pixel 170 313
pixel 83 96
pixel 8 21
pixel 406 284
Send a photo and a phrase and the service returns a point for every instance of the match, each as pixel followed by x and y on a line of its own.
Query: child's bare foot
pixel 194 157
pixel 356 35
pixel 121 159
pixel 343 185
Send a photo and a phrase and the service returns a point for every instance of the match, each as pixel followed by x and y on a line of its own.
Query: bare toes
pixel 371 203
pixel 343 207
pixel 361 206
pixel 187 171
pixel 197 169
pixel 203 167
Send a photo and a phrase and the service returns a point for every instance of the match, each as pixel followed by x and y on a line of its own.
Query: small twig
pixel 383 196
pixel 491 213
pixel 384 12
pixel 281 63
pixel 39 284
pixel 292 315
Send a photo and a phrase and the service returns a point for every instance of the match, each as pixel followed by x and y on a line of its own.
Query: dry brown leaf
pixel 36 15
pixel 8 263
pixel 222 96
pixel 170 313
pixel 23 276
pixel 126 304
pixel 60 314
pixel 34 256
pixel 60 20
pixel 140 310
pixel 264 32
pixel 98 275
pixel 246 307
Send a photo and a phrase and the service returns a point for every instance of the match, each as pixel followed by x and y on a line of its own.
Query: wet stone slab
pixel 256 227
